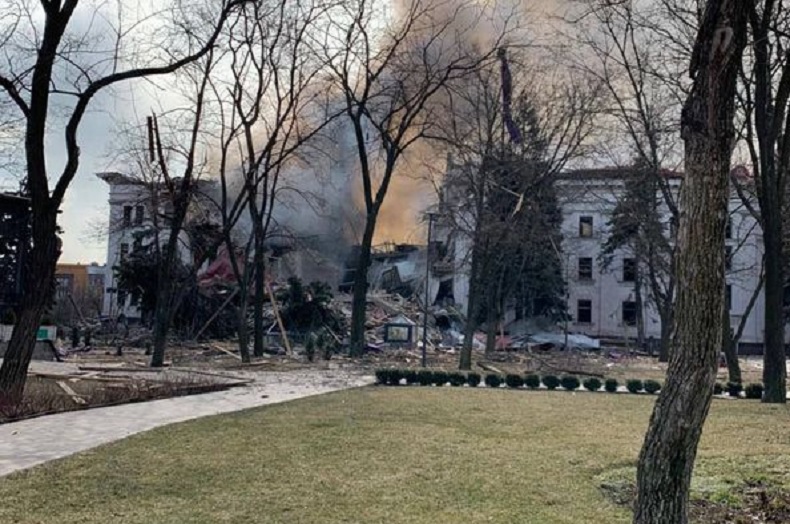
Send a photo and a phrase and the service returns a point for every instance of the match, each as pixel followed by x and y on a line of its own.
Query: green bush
pixel 718 388
pixel 493 380
pixel 457 379
pixel 754 391
pixel 570 382
pixel 514 381
pixel 611 385
pixel 734 389
pixel 551 382
pixel 440 378
pixel 395 377
pixel 410 375
pixel 473 379
pixel 592 384
pixel 652 386
pixel 634 385
pixel 532 381
pixel 382 376
pixel 425 377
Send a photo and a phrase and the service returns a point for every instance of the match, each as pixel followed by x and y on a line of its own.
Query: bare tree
pixel 387 76
pixel 764 100
pixel 271 107
pixel 498 197
pixel 639 50
pixel 50 60
pixel 667 458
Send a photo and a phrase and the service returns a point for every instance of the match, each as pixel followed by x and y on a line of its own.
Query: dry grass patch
pixel 399 455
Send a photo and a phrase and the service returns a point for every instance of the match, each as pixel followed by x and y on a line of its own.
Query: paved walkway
pixel 30 442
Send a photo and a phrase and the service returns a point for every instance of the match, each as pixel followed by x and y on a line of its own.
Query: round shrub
pixel 734 389
pixel 395 377
pixel 456 379
pixel 514 381
pixel 551 382
pixel 754 391
pixel 532 381
pixel 570 382
pixel 382 376
pixel 424 377
pixel 473 379
pixel 652 386
pixel 592 384
pixel 718 389
pixel 493 380
pixel 440 378
pixel 410 375
pixel 634 385
pixel 611 385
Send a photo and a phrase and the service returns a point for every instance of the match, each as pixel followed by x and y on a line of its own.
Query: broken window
pixel 629 270
pixel 139 213
pixel 586 226
pixel 127 216
pixel 584 311
pixel 728 258
pixel 585 268
pixel 629 313
pixel 728 297
pixel 728 228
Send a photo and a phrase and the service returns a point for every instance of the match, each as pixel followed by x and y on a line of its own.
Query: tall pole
pixel 427 297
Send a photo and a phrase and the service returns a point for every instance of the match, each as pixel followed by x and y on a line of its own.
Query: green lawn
pixel 392 455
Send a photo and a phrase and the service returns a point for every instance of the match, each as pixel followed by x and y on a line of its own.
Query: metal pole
pixel 427 277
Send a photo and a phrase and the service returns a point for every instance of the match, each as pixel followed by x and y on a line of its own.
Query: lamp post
pixel 431 216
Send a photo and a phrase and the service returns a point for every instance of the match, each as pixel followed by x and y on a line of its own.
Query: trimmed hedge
pixel 493 380
pixel 410 375
pixel 425 377
pixel 634 385
pixel 754 391
pixel 652 386
pixel 457 379
pixel 611 385
pixel 532 381
pixel 718 388
pixel 440 378
pixel 734 389
pixel 592 384
pixel 514 381
pixel 551 382
pixel 570 382
pixel 473 379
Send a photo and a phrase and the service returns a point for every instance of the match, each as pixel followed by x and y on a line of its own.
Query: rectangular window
pixel 728 258
pixel 586 227
pixel 127 216
pixel 728 297
pixel 124 250
pixel 584 311
pixel 629 313
pixel 728 228
pixel 585 268
pixel 629 270
pixel 139 213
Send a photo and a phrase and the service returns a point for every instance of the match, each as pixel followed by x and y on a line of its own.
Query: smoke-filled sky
pixel 86 201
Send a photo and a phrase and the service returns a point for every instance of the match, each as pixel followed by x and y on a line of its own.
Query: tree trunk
pixel 640 318
pixel 360 291
pixel 774 366
pixel 465 360
pixel 666 461
pixel 491 329
pixel 260 294
pixel 729 347
pixel 166 296
pixel 243 329
pixel 666 334
pixel 37 293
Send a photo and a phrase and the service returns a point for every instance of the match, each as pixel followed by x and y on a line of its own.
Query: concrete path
pixel 30 442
